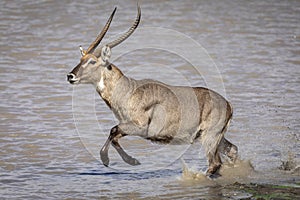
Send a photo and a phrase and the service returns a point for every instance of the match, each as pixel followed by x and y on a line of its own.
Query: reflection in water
pixel 254 43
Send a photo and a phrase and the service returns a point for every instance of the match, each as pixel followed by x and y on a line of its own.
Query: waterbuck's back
pixel 177 114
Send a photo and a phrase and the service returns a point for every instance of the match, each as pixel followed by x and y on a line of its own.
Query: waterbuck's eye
pixel 92 62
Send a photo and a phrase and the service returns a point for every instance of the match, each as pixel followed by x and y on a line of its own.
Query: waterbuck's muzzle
pixel 72 78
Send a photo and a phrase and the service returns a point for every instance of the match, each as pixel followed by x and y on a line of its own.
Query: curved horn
pixel 129 32
pixel 94 45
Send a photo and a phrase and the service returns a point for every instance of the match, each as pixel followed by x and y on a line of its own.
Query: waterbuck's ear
pixel 105 53
pixel 82 51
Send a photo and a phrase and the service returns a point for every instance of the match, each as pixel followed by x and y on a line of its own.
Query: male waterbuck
pixel 154 110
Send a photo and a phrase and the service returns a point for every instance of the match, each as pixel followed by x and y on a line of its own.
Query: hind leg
pixel 228 149
pixel 210 141
pixel 214 164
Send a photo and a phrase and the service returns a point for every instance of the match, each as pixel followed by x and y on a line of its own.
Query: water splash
pixel 240 172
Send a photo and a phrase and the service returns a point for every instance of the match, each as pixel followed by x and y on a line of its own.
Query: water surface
pixel 256 48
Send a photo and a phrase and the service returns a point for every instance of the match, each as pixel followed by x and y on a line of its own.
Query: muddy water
pixel 45 153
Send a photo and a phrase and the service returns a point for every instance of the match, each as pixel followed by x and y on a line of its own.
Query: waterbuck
pixel 153 110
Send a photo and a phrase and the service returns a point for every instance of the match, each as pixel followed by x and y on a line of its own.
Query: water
pixel 256 48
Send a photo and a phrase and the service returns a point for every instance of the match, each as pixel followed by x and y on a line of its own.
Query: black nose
pixel 71 78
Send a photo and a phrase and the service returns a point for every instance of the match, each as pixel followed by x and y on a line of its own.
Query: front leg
pixel 115 134
pixel 105 148
pixel 127 158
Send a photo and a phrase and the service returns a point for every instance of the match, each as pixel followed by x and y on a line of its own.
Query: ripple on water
pixel 43 154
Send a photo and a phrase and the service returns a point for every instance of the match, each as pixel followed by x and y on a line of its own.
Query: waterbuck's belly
pixel 187 137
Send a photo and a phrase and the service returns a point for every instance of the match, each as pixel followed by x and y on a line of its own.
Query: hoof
pixel 213 172
pixel 213 176
pixel 104 158
pixel 132 161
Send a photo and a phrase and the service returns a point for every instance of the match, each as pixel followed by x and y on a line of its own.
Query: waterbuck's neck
pixel 110 82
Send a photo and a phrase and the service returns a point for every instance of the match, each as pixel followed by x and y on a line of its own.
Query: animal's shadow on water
pixel 184 172
pixel 129 175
